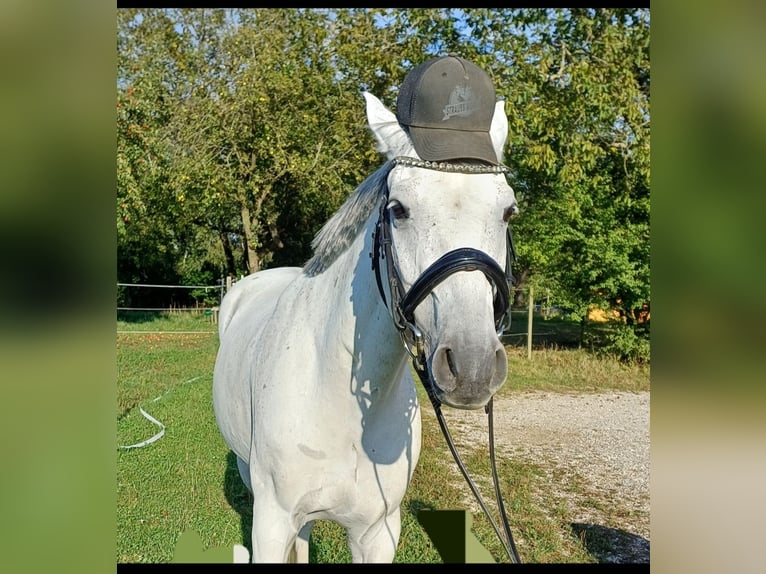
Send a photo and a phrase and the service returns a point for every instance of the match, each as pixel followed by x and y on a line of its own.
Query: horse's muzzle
pixel 465 379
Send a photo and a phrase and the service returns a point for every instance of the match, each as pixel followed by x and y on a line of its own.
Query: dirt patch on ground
pixel 594 452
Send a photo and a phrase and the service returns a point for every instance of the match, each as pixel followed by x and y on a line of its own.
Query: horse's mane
pixel 342 228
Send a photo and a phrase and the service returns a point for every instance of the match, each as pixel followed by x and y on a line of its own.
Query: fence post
pixel 529 322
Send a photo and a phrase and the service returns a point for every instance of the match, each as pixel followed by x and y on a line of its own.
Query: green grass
pixel 560 363
pixel 570 370
pixel 188 479
pixel 188 320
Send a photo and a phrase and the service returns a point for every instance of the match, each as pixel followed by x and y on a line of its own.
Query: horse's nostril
pixel 451 363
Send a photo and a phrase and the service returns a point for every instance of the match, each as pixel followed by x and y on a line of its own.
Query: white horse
pixel 312 389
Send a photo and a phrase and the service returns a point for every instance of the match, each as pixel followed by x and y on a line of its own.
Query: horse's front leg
pixel 376 543
pixel 300 554
pixel 273 532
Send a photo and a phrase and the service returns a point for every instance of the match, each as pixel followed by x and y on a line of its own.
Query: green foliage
pixel 576 83
pixel 627 343
pixel 241 131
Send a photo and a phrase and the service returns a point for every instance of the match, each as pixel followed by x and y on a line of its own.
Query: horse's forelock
pixel 342 228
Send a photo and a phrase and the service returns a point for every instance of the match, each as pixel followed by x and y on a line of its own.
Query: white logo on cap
pixel 461 102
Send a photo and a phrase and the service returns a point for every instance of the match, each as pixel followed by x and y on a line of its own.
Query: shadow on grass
pixel 138 316
pixel 239 498
pixel 611 545
pixel 413 506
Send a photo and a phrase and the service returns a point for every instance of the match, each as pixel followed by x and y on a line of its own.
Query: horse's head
pixel 431 213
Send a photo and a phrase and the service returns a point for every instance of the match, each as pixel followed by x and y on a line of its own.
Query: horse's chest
pixel 350 478
pixel 350 485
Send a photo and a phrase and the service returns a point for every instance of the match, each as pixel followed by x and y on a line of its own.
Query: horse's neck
pixel 358 322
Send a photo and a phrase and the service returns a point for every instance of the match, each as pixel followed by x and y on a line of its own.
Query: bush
pixel 627 343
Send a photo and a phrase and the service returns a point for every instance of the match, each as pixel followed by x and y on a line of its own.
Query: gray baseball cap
pixel 446 105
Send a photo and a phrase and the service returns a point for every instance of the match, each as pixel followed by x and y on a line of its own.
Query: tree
pixel 263 130
pixel 146 220
pixel 577 86
pixel 241 131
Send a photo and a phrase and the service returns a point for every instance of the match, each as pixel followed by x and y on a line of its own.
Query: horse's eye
pixel 510 211
pixel 399 211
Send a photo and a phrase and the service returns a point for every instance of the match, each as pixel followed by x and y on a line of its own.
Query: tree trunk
pixel 228 252
pixel 276 240
pixel 251 255
pixel 519 298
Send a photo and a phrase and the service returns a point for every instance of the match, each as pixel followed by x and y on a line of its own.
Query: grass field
pixel 188 480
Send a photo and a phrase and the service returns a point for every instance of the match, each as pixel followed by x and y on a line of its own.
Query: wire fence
pixel 128 314
pixel 141 315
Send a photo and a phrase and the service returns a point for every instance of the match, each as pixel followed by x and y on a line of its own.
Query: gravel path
pixel 594 449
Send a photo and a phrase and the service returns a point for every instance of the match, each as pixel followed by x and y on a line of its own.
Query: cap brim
pixel 444 145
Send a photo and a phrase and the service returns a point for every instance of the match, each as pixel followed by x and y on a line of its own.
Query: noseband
pixel 403 305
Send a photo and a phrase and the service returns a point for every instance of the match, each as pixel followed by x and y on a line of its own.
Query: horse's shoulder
pixel 253 286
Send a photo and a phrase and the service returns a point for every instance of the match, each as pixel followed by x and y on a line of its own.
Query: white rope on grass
pixel 152 420
pixel 148 441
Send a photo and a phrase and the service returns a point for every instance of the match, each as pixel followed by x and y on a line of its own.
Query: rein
pixel 402 306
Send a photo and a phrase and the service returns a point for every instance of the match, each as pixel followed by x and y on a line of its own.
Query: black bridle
pixel 403 305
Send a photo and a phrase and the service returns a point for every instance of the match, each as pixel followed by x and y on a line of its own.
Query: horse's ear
pixel 498 131
pixel 391 138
